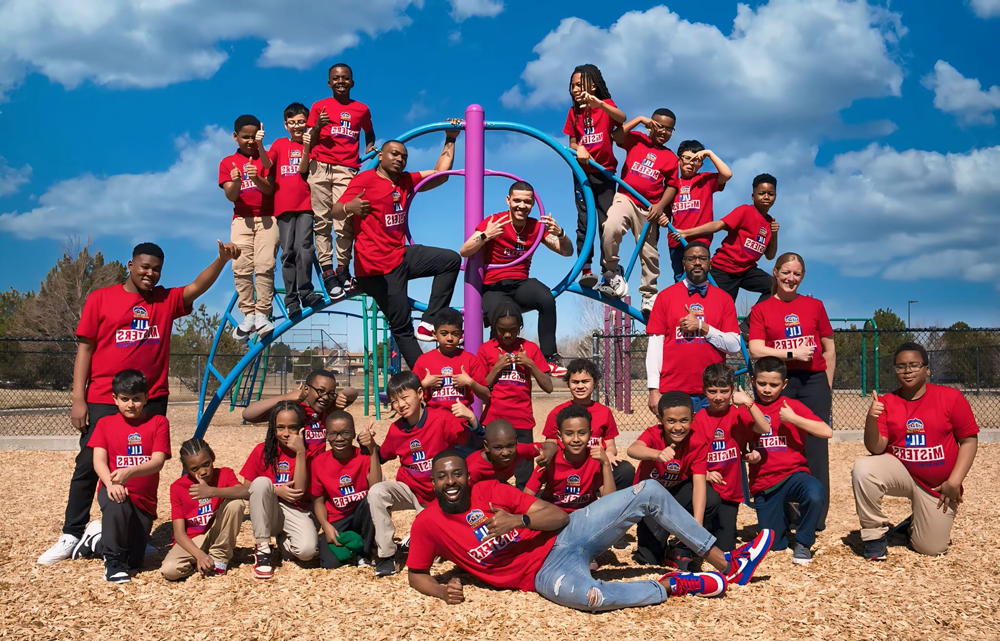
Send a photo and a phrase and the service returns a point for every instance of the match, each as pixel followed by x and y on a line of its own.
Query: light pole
pixel 908 303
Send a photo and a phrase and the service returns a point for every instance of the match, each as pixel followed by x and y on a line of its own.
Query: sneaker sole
pixel 75 554
pixel 586 282
pixel 802 561
pixel 262 575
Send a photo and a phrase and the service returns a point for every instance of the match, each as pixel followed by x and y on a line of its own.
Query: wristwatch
pixel 562 233
pixel 483 237
pixel 525 520
pixel 790 357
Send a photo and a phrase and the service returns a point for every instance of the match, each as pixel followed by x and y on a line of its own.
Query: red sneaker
pixel 705 584
pixel 262 563
pixel 425 332
pixel 743 561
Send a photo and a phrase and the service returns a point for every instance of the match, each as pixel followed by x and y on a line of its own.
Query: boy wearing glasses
pixel 335 126
pixel 692 325
pixel 923 440
pixel 318 396
pixel 651 169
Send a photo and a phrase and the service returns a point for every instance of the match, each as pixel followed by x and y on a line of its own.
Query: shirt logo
pixel 446 373
pixel 793 328
pixel 914 425
pixel 915 436
pixel 139 330
pixel 477 521
pixel 673 467
pixel 417 451
pixel 345 119
pixel 140 318
pixel 573 484
pixel 397 203
pixel 346 485
pixel 683 202
pixel 284 473
pixel 649 160
pixel 588 126
pixel 134 444
pixel 719 434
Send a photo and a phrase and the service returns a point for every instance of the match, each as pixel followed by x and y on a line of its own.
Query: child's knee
pixel 261 484
pixel 174 572
pixel 812 493
pixel 927 547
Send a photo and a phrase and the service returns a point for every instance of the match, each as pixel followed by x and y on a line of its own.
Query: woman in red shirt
pixel 797 330
pixel 923 440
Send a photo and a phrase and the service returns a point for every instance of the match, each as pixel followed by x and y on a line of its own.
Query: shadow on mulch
pixel 856 545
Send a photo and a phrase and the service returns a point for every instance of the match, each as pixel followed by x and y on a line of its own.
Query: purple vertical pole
pixel 619 359
pixel 627 349
pixel 607 355
pixel 475 167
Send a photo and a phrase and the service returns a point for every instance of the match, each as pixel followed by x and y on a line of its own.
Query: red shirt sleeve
pixel 883 419
pixel 224 169
pixel 272 153
pixel 89 318
pixel 570 127
pixel 420 367
pixel 98 438
pixel 612 429
pixel 456 429
pixel 756 320
pixel 549 431
pixel 527 451
pixel 712 182
pixel 511 499
pixel 699 453
pixel 963 422
pixel 631 140
pixel 423 546
pixel 315 487
pixel 822 321
pixel 252 468
pixel 658 317
pixel 649 437
pixel 227 478
pixel 734 219
pixel 536 355
pixel 388 449
pixel 478 370
pixel 354 188
pixel 161 437
pixel 482 225
pixel 538 478
pixel 366 122
pixel 176 502
pixel 803 411
pixel 175 301
pixel 313 116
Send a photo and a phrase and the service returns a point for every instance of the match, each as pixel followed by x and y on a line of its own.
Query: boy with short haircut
pixel 781 476
pixel 579 474
pixel 415 438
pixel 339 482
pixel 243 177
pixel 728 408
pixel 129 451
pixel 694 206
pixel 651 169
pixel 293 211
pixel 336 124
pixel 501 453
pixel 675 456
pixel 449 374
pixel 581 377
pixel 752 233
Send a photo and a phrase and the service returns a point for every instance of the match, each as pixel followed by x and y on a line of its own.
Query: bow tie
pixel 700 289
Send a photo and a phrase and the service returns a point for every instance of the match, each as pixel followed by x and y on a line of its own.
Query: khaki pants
pixel 327 183
pixel 253 271
pixel 876 476
pixel 382 499
pixel 271 516
pixel 219 541
pixel 624 215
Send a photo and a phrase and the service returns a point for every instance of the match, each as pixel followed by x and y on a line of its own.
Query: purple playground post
pixel 475 174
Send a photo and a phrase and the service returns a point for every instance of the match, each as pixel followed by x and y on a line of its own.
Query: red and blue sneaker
pixel 706 584
pixel 743 561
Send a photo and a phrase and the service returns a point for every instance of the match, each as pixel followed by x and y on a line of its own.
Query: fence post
pixel 201 370
pixel 864 360
pixel 977 371
pixel 627 348
pixel 594 347
pixel 607 355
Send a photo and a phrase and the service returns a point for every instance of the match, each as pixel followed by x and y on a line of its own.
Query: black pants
pixel 754 279
pixel 812 390
pixel 648 545
pixel 124 531
pixel 723 526
pixel 360 523
pixel 84 482
pixel 295 229
pixel 524 467
pixel 391 296
pixel 624 474
pixel 604 195
pixel 530 295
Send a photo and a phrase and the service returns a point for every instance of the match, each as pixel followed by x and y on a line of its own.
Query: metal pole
pixel 977 371
pixel 864 360
pixel 607 355
pixel 475 173
pixel 627 348
pixel 364 351
pixel 593 350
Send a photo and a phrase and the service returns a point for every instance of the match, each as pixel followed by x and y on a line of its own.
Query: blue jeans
pixel 700 402
pixel 676 258
pixel 801 488
pixel 565 576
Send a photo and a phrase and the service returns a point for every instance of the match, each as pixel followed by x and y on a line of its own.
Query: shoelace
pixel 686 585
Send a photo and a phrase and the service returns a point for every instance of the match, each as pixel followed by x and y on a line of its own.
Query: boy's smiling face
pixel 575 434
pixel 245 139
pixel 341 80
pixel 296 126
pixel 676 422
pixel 662 130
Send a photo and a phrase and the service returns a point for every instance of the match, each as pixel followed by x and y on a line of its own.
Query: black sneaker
pixel 115 572
pixel 312 299
pixel 347 282
pixel 262 567
pixel 683 558
pixel 385 567
pixel 293 308
pixel 84 549
pixel 332 284
pixel 877 550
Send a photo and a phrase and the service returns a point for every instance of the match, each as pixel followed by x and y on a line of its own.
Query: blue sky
pixel 878 120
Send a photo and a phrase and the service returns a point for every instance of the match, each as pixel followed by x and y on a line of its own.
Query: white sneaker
pixel 91 537
pixel 616 286
pixel 242 331
pixel 425 332
pixel 647 304
pixel 263 325
pixel 60 551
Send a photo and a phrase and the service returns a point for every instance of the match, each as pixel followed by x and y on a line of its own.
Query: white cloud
pixel 986 8
pixel 464 9
pixel 154 43
pixel 774 68
pixel 12 178
pixel 962 97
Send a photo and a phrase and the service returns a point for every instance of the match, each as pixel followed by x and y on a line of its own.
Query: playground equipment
pixel 475 126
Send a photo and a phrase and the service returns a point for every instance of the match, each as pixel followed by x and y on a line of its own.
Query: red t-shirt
pixel 648 168
pixel 380 237
pixel 507 247
pixel 291 190
pixel 314 433
pixel 746 243
pixel 923 434
pixel 198 513
pixel 129 445
pixel 342 483
pixel 602 423
pixel 724 450
pixel 781 449
pixel 786 326
pixel 592 129
pixel 685 356
pixel 338 142
pixel 690 458
pixel 129 332
pixel 434 362
pixel 252 202
pixel 416 447
pixel 281 474
pixel 508 562
pixel 692 206
pixel 480 469
pixel 510 397
pixel 569 486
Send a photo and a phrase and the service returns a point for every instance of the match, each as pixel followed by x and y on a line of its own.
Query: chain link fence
pixel 967 359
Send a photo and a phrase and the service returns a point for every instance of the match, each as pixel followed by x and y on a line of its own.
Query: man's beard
pixel 463 503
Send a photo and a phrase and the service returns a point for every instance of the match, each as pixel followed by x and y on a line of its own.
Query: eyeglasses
pixel 908 367
pixel 696 259
pixel 333 436
pixel 320 393
pixel 296 123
